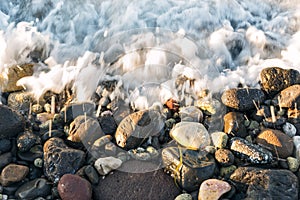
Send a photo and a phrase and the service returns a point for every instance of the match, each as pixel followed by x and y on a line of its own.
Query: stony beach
pixel 56 148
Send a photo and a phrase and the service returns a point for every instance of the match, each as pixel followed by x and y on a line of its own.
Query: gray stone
pixel 12 123
pixel 34 153
pixel 19 101
pixel 260 183
pixel 184 196
pixel 59 159
pixel 192 171
pixel 107 164
pixel 39 187
pixel 242 99
pixel 275 79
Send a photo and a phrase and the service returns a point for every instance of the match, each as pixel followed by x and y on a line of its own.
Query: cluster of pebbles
pixel 67 150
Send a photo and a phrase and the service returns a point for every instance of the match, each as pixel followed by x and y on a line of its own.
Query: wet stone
pixel 92 174
pixel 13 173
pixel 213 189
pixel 74 187
pixel 39 187
pixel 224 157
pixel 279 143
pixel 5 159
pixel 234 124
pixel 107 164
pixel 26 140
pixel 59 159
pixel 252 153
pixel 242 99
pixel 54 133
pixel 193 171
pixel 12 123
pixel 260 183
pixel 219 139
pixel 275 79
pixel 108 123
pixel 192 113
pixel 74 110
pixel 5 145
pixel 289 97
pixel 34 153
pixel 110 149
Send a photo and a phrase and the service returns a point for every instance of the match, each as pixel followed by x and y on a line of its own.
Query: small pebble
pixel 219 139
pixel 37 108
pixel 224 157
pixel 38 162
pixel 47 107
pixel 289 129
pixel 293 164
pixel 213 189
pixel 184 196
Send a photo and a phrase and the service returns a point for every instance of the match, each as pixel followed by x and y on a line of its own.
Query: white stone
pixel 296 140
pixel 107 164
pixel 289 129
pixel 293 164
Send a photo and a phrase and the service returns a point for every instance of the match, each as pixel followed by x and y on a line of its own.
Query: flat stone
pixel 224 157
pixel 14 73
pixel 213 189
pixel 59 159
pixel 192 171
pixel 252 153
pixel 275 79
pixel 266 183
pixel 38 187
pixel 107 164
pixel 219 139
pixel 242 99
pixel 279 143
pixel 234 124
pixel 74 187
pixel 12 123
pixel 289 97
pixel 13 173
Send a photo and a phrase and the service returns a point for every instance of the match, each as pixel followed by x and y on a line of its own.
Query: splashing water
pixel 212 42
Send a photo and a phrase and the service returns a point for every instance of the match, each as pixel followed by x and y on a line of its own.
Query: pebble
pixel 224 157
pixel 227 171
pixel 110 149
pixel 138 126
pixel 289 129
pixel 184 196
pixel 91 174
pixel 260 183
pixel 107 164
pixel 13 173
pixel 192 113
pixel 140 154
pixel 108 123
pixel 172 104
pixel 279 143
pixel 72 187
pixel 38 187
pixel 12 123
pixel 85 129
pixel 213 189
pixel 234 124
pixel 210 107
pixel 193 171
pixel 252 153
pixel 5 159
pixel 191 135
pixel 5 145
pixel 242 99
pixel 219 139
pixel 289 97
pixel 275 79
pixel 293 164
pixel 26 140
pixel 59 159
pixel 38 162
pixel 19 101
pixel 37 108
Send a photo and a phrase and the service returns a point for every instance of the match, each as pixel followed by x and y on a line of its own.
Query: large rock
pixel 289 97
pixel 242 99
pixel 38 187
pixel 12 123
pixel 59 159
pixel 13 173
pixel 279 143
pixel 74 187
pixel 266 183
pixel 275 79
pixel 14 73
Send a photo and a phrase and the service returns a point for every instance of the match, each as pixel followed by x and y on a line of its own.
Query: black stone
pixel 108 124
pixel 39 187
pixel 5 159
pixel 5 145
pixel 35 152
pixel 54 133
pixel 26 140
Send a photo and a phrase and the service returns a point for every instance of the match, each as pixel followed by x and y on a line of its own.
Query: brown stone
pixel 276 141
pixel 289 97
pixel 234 124
pixel 14 73
pixel 225 157
pixel 74 187
pixel 13 173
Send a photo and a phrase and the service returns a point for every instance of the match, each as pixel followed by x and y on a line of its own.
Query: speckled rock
pixel 13 173
pixel 138 126
pixel 107 164
pixel 14 73
pixel 266 183
pixel 289 97
pixel 26 140
pixel 59 159
pixel 279 143
pixel 193 171
pixel 72 187
pixel 12 123
pixel 234 124
pixel 252 153
pixel 224 157
pixel 242 99
pixel 219 139
pixel 213 189
pixel 39 187
pixel 19 100
pixel 275 79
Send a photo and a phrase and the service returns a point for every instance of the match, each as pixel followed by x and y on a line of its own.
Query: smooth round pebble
pixel 184 196
pixel 213 189
pixel 289 129
pixel 293 164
